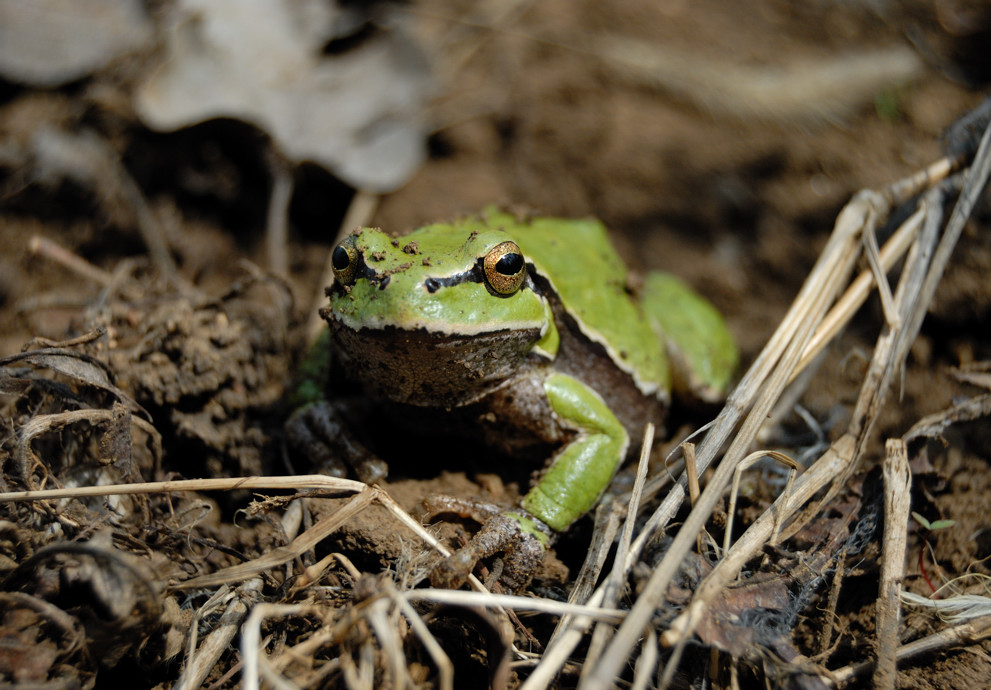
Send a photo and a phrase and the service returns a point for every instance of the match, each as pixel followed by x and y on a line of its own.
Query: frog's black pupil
pixel 510 264
pixel 341 259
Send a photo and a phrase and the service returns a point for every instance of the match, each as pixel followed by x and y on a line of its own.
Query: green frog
pixel 519 333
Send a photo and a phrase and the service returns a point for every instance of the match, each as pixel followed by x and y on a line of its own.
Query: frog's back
pixel 582 266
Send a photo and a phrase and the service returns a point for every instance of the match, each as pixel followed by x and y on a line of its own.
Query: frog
pixel 517 331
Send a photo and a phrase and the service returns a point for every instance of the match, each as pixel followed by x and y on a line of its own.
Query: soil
pixel 734 189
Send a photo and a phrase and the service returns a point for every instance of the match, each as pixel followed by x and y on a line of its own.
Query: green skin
pixel 417 321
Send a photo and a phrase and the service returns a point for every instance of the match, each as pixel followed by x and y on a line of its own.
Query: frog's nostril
pixel 432 285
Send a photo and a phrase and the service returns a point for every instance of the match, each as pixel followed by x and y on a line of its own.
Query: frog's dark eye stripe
pixel 504 268
pixel 472 275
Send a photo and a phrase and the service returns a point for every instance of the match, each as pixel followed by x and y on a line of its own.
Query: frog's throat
pixel 419 368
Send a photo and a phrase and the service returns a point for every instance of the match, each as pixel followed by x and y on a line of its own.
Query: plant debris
pixel 153 525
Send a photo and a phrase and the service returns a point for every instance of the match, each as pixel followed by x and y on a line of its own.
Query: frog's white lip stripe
pixel 465 332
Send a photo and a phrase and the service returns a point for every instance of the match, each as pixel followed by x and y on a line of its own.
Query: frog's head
pixel 440 316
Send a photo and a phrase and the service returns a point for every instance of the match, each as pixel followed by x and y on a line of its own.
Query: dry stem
pixel 897 500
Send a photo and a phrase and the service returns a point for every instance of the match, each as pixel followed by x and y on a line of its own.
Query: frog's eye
pixel 505 268
pixel 345 262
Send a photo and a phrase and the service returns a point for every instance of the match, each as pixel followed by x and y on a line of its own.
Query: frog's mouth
pixel 421 368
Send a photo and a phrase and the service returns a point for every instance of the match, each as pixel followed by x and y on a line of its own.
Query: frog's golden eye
pixel 345 262
pixel 504 268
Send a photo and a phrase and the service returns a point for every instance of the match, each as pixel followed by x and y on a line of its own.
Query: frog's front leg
pixel 582 470
pixel 319 432
pixel 571 486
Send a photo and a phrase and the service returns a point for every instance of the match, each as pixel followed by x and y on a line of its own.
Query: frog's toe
pixel 522 559
pixel 478 510
pixel 453 571
pixel 371 469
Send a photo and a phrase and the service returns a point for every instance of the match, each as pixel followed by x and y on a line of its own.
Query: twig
pixel 486 600
pixel 218 641
pixel 614 583
pixel 42 246
pixel 964 634
pixel 744 465
pixel 306 481
pixel 277 218
pixel 897 499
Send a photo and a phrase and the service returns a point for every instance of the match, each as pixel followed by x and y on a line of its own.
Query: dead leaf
pixel 357 113
pixel 51 42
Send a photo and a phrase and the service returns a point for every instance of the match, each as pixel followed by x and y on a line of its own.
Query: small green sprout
pixel 934 525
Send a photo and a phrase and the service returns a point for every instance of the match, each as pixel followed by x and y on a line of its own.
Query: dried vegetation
pixel 778 548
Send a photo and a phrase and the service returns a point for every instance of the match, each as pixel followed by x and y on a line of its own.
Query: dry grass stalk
pixel 201 661
pixel 53 251
pixel 803 330
pixel 307 481
pixel 964 634
pixel 445 669
pixel 256 663
pixel 824 638
pixel 757 391
pixel 643 673
pixel 484 600
pixel 614 585
pixel 897 500
pixel 776 365
pixel 276 557
pixel 836 465
pixel 744 465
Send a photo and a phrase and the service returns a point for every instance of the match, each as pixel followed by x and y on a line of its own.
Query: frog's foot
pixel 521 538
pixel 318 432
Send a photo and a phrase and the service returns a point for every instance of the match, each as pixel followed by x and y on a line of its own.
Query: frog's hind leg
pixel 701 348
